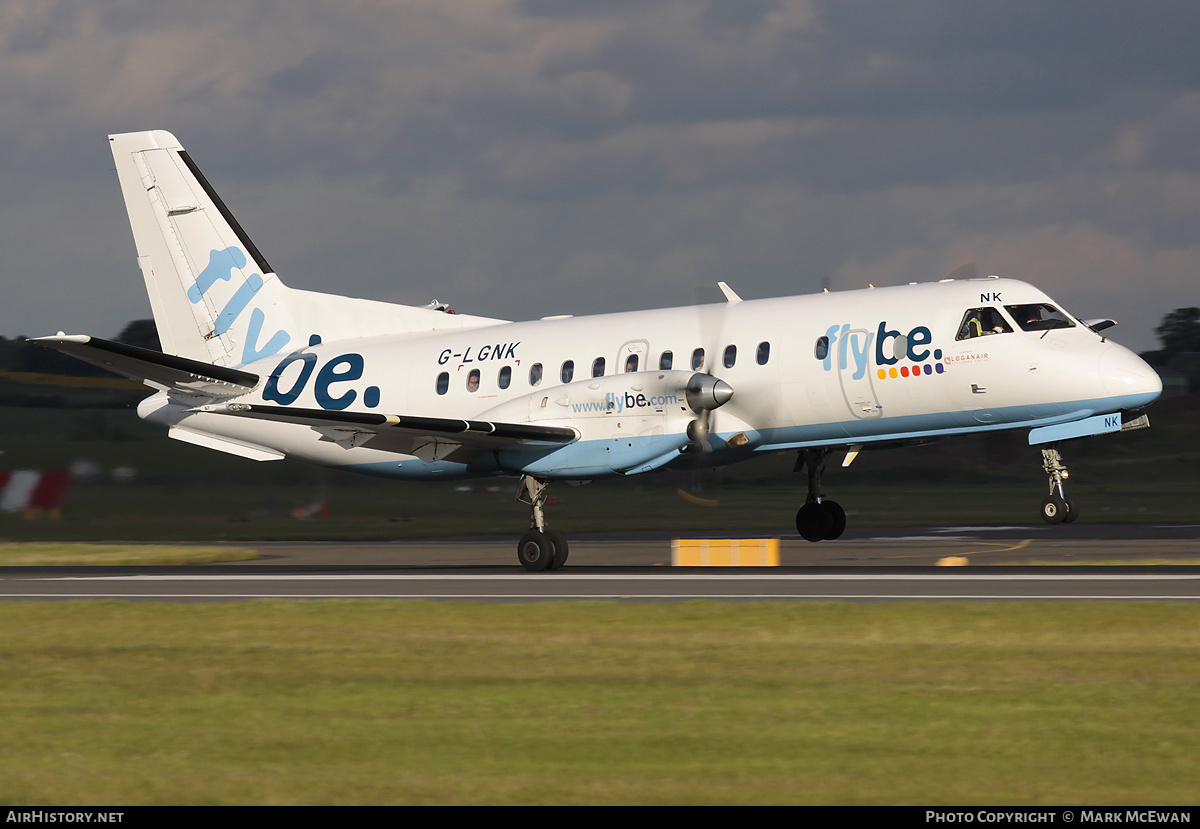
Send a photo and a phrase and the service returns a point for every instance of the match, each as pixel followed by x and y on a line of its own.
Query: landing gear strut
pixel 819 519
pixel 540 548
pixel 1058 507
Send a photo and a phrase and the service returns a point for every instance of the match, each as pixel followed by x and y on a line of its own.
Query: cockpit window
pixel 1039 317
pixel 981 322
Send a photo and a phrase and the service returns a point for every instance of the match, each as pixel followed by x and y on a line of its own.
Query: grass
pixel 698 703
pixel 97 555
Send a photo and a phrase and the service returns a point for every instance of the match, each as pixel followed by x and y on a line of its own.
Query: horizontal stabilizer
pixel 477 433
pixel 166 372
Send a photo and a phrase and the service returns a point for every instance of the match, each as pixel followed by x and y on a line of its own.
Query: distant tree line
pixel 1179 334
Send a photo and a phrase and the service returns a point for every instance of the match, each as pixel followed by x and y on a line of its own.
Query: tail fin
pixel 214 296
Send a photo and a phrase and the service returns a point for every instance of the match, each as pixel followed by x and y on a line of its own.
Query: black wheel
pixel 559 542
pixel 535 552
pixel 812 522
pixel 837 518
pixel 1054 510
pixel 1072 510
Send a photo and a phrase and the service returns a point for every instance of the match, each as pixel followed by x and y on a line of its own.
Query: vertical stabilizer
pixel 214 296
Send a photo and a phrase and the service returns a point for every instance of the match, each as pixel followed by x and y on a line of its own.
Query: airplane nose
pixel 1128 377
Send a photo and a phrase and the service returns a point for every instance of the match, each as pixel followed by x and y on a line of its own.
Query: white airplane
pixel 257 369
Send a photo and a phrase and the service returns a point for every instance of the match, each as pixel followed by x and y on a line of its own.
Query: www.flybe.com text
pixel 618 403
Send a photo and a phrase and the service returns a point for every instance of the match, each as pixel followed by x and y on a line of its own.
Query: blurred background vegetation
pixel 130 482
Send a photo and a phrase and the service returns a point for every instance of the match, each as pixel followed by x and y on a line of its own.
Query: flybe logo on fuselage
pixel 328 391
pixel 886 346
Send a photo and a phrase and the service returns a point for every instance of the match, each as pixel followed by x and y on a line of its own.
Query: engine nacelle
pixel 631 422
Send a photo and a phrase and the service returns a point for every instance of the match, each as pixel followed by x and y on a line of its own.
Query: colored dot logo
pixel 912 371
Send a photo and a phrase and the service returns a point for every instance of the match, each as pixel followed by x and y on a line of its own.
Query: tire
pixel 1072 510
pixel 812 522
pixel 535 552
pixel 1054 510
pixel 559 543
pixel 837 518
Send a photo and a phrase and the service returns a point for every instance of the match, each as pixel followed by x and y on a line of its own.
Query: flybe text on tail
pixel 221 264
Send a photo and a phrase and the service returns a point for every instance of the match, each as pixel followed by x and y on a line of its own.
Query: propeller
pixel 705 392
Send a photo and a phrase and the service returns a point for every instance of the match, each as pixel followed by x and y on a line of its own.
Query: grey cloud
pixel 539 157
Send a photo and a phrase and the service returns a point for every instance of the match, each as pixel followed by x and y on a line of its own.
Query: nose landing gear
pixel 541 548
pixel 1057 507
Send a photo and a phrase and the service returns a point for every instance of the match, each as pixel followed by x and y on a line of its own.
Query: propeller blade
pixel 705 392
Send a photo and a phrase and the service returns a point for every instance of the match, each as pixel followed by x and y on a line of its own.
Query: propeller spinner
pixel 704 393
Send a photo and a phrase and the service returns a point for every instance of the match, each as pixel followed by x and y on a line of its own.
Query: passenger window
pixel 568 371
pixel 982 322
pixel 730 355
pixel 535 374
pixel 1039 317
pixel 598 367
pixel 822 348
pixel 698 359
pixel 505 377
pixel 763 353
pixel 631 363
pixel 443 382
pixel 473 380
pixel 666 361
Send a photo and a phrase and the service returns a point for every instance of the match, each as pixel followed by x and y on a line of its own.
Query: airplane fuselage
pixel 820 370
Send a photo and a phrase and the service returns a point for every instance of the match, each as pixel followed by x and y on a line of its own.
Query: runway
pixel 570 586
pixel 893 565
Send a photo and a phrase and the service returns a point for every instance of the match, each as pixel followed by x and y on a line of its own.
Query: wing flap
pixel 167 372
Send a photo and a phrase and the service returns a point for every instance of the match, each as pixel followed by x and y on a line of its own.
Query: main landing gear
pixel 1058 507
pixel 819 519
pixel 540 548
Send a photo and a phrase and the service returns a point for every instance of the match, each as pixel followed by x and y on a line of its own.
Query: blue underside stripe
pixel 591 459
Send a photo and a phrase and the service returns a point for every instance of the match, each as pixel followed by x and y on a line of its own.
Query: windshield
pixel 1039 316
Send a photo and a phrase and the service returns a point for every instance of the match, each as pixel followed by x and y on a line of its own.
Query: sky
pixel 521 158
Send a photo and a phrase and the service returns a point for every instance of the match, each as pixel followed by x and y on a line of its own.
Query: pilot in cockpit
pixel 981 322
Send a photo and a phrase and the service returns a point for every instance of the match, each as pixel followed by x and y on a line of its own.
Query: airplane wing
pixel 154 368
pixel 434 436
